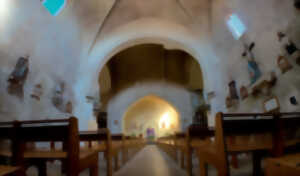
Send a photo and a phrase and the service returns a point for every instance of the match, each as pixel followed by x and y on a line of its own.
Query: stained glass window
pixel 236 26
pixel 54 6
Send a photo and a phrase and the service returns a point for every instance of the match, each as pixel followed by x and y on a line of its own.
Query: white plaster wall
pixel 263 20
pixel 59 46
pixel 56 45
pixel 178 97
pixel 172 35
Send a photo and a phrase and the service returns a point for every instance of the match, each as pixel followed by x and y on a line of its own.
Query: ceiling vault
pixel 103 24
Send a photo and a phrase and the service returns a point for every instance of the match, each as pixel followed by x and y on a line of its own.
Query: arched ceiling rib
pixel 178 11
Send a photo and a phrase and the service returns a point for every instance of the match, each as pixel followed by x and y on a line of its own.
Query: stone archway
pixel 177 96
pixel 155 31
pixel 151 113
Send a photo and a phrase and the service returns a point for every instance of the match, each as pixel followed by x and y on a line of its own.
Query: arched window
pixel 236 26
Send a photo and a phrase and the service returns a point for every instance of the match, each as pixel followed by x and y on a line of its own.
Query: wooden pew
pixel 287 165
pixel 117 148
pixel 8 131
pixel 197 137
pixel 184 144
pixel 181 148
pixel 132 145
pixel 167 144
pixel 65 131
pixel 104 144
pixel 111 144
pixel 286 161
pixel 238 133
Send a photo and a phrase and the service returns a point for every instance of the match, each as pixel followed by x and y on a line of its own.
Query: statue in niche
pixel 233 90
pixel 283 64
pixel 37 92
pixel 229 102
pixel 243 92
pixel 288 47
pixel 69 107
pixel 253 68
pixel 57 99
pixel 18 77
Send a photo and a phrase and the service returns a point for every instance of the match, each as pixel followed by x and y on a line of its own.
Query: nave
pixel 153 87
pixel 151 162
pixel 148 162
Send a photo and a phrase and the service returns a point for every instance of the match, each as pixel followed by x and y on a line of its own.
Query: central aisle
pixel 151 162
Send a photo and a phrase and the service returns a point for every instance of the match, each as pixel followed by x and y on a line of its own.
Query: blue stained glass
pixel 236 26
pixel 54 6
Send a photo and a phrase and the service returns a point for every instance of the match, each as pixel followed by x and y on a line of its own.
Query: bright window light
pixel 165 121
pixel 54 6
pixel 236 26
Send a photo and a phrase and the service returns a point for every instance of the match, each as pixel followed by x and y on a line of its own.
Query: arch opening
pixel 149 63
pixel 152 117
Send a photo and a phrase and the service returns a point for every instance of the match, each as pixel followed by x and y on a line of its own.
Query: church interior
pixel 150 87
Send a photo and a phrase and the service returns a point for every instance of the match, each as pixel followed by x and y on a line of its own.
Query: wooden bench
pixel 181 148
pixel 286 161
pixel 197 137
pixel 117 148
pixel 167 144
pixel 238 133
pixel 185 143
pixel 102 137
pixel 65 131
pixel 112 145
pixel 288 165
pixel 132 145
pixel 8 132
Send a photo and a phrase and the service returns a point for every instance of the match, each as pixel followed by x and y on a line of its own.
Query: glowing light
pixel 165 121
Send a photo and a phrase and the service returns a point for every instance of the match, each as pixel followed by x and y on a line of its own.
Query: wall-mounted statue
pixel 288 47
pixel 37 92
pixel 253 68
pixel 243 92
pixel 69 107
pixel 18 77
pixel 283 64
pixel 57 99
pixel 233 91
pixel 229 102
